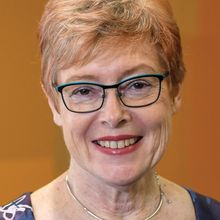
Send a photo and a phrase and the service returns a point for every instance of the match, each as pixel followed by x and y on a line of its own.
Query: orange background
pixel 32 151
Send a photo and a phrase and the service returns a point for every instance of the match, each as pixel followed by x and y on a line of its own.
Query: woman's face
pixel 114 122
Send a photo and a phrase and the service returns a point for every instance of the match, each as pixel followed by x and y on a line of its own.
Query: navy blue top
pixel 21 208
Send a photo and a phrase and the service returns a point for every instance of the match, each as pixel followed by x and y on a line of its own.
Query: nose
pixel 113 113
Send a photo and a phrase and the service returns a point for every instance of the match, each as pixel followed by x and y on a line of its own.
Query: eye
pixel 139 85
pixel 137 88
pixel 81 91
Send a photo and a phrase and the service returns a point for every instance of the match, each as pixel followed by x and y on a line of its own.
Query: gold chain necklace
pixel 89 212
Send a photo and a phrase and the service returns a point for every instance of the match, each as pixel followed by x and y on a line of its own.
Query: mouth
pixel 117 144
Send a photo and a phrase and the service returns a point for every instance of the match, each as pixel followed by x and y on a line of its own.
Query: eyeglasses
pixel 135 92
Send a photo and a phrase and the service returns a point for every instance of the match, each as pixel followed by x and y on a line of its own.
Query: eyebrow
pixel 123 75
pixel 143 68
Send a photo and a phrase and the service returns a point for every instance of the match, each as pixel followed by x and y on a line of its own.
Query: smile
pixel 117 144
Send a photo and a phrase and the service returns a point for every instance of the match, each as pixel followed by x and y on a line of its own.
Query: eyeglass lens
pixel 132 93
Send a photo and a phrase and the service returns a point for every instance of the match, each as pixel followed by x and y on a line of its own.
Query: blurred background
pixel 32 152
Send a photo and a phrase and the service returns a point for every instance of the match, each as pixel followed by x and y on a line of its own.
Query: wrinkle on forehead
pixel 118 59
pixel 112 47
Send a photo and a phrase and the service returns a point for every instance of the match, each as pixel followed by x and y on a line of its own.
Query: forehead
pixel 115 62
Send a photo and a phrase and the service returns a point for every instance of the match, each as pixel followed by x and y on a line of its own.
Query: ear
pixel 54 107
pixel 177 98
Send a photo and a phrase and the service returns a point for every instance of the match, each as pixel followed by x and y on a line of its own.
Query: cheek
pixel 160 140
pixel 75 131
pixel 160 128
pixel 154 117
pixel 162 133
pixel 155 123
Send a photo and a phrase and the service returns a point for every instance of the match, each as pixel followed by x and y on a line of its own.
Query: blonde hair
pixel 71 31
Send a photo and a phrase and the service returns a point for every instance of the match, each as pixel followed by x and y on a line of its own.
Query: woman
pixel 112 72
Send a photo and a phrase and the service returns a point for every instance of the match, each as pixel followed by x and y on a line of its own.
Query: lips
pixel 118 142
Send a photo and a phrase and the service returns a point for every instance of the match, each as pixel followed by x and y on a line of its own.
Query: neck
pixel 135 199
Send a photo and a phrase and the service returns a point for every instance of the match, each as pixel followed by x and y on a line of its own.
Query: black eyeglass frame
pixel 160 76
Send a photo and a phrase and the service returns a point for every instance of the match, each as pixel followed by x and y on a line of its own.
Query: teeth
pixel 106 144
pixel 117 144
pixel 132 141
pixel 113 144
pixel 121 144
pixel 127 142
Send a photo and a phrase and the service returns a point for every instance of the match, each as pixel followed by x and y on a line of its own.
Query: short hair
pixel 71 31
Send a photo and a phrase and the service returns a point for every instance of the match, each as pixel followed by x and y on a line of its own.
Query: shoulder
pixel 205 207
pixel 48 201
pixel 177 200
pixel 19 209
pixel 188 201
